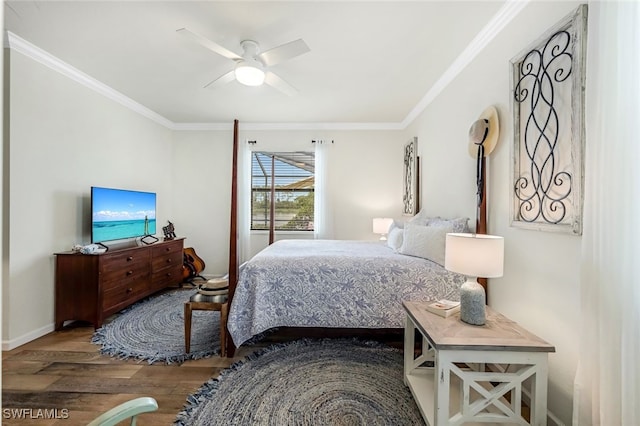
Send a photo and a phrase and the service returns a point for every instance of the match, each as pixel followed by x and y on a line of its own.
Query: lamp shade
pixel 381 225
pixel 475 255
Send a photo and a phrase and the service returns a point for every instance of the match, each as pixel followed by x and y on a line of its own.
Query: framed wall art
pixel 410 186
pixel 547 103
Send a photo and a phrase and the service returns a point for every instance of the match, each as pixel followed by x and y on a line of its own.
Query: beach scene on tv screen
pixel 120 214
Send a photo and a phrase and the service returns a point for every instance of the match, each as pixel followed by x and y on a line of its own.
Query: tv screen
pixel 118 214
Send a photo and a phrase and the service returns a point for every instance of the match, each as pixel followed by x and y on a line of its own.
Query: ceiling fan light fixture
pixel 249 74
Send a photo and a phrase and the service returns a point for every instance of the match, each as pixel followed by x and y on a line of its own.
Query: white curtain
pixel 244 201
pixel 607 383
pixel 323 210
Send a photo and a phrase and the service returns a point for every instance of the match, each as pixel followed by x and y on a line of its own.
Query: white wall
pixel 64 138
pixel 365 181
pixel 202 197
pixel 540 288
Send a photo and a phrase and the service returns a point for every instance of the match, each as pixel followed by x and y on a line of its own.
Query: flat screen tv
pixel 118 214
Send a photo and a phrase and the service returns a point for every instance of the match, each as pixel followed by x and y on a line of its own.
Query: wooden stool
pixel 201 302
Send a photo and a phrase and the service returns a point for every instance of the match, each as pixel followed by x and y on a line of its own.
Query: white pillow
pixel 420 218
pixel 459 224
pixel 394 238
pixel 427 242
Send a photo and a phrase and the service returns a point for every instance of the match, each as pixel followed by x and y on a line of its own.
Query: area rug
pixel 308 382
pixel 153 331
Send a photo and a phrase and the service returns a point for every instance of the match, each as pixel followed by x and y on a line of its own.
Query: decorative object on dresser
pixel 474 255
pixel 169 231
pixel 92 287
pixel 547 102
pixel 308 382
pixel 474 375
pixel 381 226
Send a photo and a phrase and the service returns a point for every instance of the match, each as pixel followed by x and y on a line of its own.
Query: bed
pixel 335 284
pixel 332 284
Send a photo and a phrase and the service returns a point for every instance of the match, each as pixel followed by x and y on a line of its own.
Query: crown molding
pixel 507 12
pixel 45 58
pixel 289 126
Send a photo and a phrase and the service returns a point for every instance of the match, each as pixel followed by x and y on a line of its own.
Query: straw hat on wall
pixel 485 131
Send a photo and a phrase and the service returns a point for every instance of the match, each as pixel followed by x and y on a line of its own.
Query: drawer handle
pixel 169 260
pixel 129 290
pixel 129 273
pixel 129 259
pixel 168 274
pixel 167 249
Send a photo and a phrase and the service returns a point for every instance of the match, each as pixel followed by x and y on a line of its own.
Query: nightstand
pixel 464 374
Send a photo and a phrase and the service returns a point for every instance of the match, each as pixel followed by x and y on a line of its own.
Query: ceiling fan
pixel 252 67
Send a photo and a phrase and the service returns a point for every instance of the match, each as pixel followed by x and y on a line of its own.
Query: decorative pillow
pixel 427 242
pixel 459 224
pixel 394 238
pixel 420 218
pixel 396 224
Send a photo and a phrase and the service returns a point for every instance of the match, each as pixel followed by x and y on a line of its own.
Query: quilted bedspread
pixel 332 283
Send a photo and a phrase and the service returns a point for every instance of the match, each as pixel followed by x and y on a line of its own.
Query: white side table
pixel 467 374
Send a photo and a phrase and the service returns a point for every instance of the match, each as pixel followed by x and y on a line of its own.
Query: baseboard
pixel 8 345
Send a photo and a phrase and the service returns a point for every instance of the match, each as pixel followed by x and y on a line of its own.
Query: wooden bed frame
pixel 234 264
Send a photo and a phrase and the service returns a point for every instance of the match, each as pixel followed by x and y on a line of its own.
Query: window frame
pixel 291 169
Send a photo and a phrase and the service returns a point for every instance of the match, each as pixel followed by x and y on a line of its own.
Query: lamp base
pixel 472 302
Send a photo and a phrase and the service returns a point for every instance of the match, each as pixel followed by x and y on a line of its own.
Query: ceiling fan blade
pixel 283 52
pixel 276 82
pixel 208 44
pixel 223 79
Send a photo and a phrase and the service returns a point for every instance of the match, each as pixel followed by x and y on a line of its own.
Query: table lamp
pixel 381 226
pixel 474 255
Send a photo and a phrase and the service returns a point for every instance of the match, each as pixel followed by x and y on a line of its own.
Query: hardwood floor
pixel 63 375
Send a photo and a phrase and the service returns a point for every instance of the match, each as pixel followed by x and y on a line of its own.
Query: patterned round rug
pixel 153 330
pixel 308 382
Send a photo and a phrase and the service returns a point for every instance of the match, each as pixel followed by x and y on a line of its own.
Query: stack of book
pixel 443 307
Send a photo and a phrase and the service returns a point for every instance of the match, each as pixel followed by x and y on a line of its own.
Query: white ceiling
pixel 370 62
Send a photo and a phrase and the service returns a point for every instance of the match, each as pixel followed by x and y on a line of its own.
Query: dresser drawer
pixel 131 272
pixel 167 277
pixel 170 260
pixel 125 264
pixel 118 294
pixel 166 249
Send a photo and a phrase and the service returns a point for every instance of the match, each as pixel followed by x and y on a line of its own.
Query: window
pixel 294 178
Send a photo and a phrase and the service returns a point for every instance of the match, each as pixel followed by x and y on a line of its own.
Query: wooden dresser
pixel 92 287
